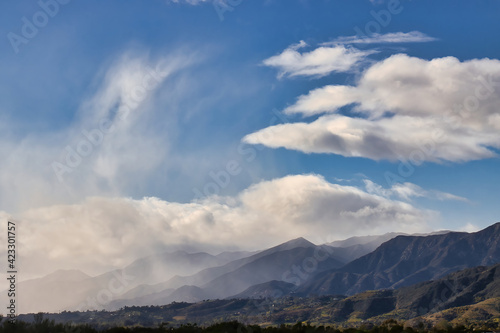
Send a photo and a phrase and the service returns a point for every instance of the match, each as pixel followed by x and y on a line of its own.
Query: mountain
pixel 462 288
pixel 406 260
pixel 377 240
pixel 235 274
pixel 313 269
pixel 62 275
pixel 285 265
pixel 189 294
pixel 209 274
pixel 485 313
pixel 71 290
pixel 158 298
pixel 140 281
pixel 355 247
pixel 459 296
pixel 271 289
pixel 159 267
pixel 286 262
pixel 371 240
pixel 41 293
pixel 228 256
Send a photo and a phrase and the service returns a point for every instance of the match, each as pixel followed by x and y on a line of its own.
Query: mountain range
pixel 405 260
pixel 390 262
pixel 460 298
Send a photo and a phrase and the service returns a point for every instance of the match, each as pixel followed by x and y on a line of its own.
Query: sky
pixel 133 127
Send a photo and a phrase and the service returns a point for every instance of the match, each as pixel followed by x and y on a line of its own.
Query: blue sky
pixel 225 83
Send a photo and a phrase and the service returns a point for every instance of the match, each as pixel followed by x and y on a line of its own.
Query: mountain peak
pixel 66 275
pixel 291 244
pixel 297 242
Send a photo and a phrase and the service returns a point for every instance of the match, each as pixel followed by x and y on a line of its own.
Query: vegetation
pixel 287 314
pixel 388 326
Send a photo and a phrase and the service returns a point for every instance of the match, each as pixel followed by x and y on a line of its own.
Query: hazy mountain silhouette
pixel 275 266
pixel 236 276
pixel 212 273
pixel 71 289
pixel 311 270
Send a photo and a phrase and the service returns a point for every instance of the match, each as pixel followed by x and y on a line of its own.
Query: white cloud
pixel 440 110
pixel 99 232
pixel 406 191
pixel 393 138
pixel 325 99
pixel 392 37
pixel 318 62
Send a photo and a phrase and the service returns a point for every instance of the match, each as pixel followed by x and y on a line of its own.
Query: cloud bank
pixel 101 233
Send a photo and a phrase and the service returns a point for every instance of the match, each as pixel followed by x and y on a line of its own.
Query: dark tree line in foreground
pixel 390 326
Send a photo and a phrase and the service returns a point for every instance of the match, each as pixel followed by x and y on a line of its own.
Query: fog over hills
pixel 155 278
pixel 72 290
pixel 275 263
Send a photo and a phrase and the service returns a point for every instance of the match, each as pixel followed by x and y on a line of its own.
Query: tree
pixel 38 318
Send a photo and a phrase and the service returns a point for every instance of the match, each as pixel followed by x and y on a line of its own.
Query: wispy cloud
pixel 110 139
pixel 319 62
pixel 407 191
pixel 392 37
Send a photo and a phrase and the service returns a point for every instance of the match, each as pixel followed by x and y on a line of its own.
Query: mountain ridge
pixel 406 260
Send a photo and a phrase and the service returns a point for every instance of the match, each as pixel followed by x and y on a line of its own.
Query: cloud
pixel 111 138
pixel 392 37
pixel 406 191
pixel 396 138
pixel 469 227
pixel 318 62
pixel 437 110
pixel 101 232
pixel 326 99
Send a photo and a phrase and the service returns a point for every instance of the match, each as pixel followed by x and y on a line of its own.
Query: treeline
pixel 390 326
